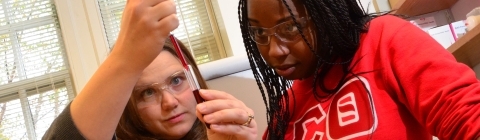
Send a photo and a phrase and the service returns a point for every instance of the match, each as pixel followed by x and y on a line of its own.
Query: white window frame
pixel 25 87
pixel 84 38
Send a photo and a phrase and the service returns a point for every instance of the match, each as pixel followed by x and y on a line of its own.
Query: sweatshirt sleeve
pixel 63 128
pixel 441 93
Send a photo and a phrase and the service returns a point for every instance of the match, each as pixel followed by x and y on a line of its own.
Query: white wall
pixel 233 75
pixel 368 6
pixel 84 38
pixel 227 9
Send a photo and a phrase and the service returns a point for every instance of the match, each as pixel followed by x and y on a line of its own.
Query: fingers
pixel 221 107
pixel 236 116
pixel 150 16
pixel 145 2
pixel 211 106
pixel 227 115
pixel 161 14
pixel 145 26
pixel 167 7
pixel 215 94
pixel 167 19
pixel 169 23
pixel 238 131
pixel 153 3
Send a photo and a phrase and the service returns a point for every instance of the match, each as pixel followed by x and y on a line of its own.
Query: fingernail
pixel 204 92
pixel 207 118
pixel 214 126
pixel 201 107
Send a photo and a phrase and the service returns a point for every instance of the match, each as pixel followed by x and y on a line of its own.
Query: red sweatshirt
pixel 415 89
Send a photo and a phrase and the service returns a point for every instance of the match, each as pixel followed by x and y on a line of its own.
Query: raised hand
pixel 145 26
pixel 229 118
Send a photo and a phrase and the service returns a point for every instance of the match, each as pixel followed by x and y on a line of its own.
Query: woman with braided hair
pixel 329 70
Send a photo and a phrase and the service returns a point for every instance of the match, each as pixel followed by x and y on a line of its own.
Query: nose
pixel 277 48
pixel 169 101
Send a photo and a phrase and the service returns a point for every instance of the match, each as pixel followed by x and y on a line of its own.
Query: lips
pixel 284 67
pixel 175 118
pixel 285 70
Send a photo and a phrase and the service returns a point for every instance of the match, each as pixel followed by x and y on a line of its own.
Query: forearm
pixel 98 108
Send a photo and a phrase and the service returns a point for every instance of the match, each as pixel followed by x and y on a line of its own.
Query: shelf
pixel 467 48
pixel 418 7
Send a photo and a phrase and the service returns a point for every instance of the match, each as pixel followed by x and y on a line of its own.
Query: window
pixel 197 29
pixel 35 84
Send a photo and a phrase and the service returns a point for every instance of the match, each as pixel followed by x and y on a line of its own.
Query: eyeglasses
pixel 151 94
pixel 286 31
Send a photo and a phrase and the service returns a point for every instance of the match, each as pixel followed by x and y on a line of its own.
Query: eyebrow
pixel 279 21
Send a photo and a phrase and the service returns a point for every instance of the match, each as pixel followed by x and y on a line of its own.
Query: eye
pixel 257 31
pixel 290 28
pixel 177 80
pixel 147 93
pixel 178 84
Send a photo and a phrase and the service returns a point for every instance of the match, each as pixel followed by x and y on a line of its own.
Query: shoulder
pixel 388 21
pixel 387 27
pixel 388 24
pixel 63 127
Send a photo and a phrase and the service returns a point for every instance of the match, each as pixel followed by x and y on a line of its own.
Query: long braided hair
pixel 338 25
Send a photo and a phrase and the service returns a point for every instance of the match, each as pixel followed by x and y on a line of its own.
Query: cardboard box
pixel 446 35
pixel 442 35
pixel 425 23
pixel 458 28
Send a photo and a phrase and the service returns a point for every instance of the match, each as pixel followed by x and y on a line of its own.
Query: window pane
pixel 45 107
pixel 32 60
pixel 23 10
pixel 41 50
pixel 12 121
pixel 30 40
pixel 195 29
pixel 111 14
pixel 7 63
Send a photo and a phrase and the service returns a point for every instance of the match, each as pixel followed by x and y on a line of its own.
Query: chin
pixel 177 131
pixel 298 75
pixel 181 129
pixel 291 77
